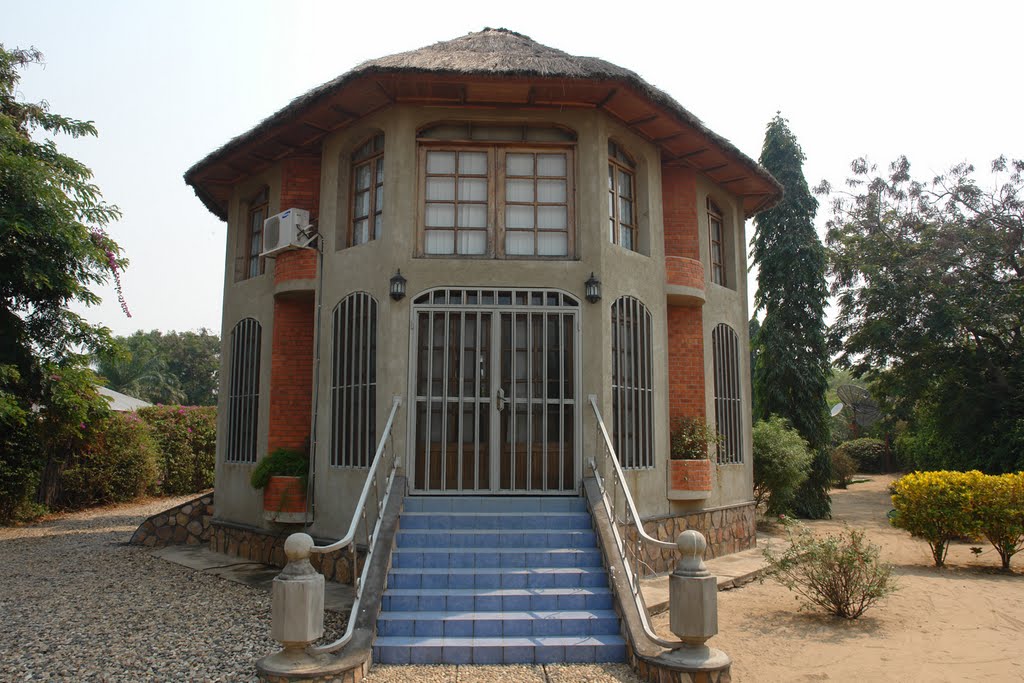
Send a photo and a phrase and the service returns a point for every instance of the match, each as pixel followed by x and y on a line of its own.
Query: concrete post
pixel 693 606
pixel 297 611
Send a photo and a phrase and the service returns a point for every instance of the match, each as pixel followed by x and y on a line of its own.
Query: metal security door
pixel 473 434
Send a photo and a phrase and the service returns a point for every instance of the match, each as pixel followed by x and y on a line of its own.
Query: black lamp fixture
pixel 593 289
pixel 398 286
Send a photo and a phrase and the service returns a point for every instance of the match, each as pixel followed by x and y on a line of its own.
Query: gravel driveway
pixel 78 604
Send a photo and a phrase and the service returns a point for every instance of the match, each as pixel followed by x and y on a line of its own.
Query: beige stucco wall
pixel 253 298
pixel 369 266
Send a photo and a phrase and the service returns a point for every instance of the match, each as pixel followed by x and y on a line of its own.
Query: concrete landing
pixel 732 571
pixel 337 598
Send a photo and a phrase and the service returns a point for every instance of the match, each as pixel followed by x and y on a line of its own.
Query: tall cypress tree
pixel 791 374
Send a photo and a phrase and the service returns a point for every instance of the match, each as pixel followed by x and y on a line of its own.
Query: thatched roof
pixel 489 54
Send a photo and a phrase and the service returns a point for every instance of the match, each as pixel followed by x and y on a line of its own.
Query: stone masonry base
pixel 727 529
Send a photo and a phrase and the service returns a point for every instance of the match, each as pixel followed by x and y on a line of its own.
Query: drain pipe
pixel 310 498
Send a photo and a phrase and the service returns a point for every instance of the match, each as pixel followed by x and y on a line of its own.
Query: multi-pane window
pixel 536 204
pixel 632 383
pixel 509 198
pixel 621 198
pixel 717 244
pixel 367 190
pixel 456 209
pixel 728 407
pixel 354 381
pixel 255 217
pixel 495 201
pixel 243 392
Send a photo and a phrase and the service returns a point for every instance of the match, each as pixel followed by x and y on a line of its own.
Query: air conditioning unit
pixel 284 231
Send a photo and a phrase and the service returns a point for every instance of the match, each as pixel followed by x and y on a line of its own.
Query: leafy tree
pixel 53 248
pixel 791 374
pixel 176 367
pixel 929 279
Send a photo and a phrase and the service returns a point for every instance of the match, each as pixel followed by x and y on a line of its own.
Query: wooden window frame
pixel 258 205
pixel 716 217
pixel 497 152
pixel 617 165
pixel 243 392
pixel 375 159
pixel 725 348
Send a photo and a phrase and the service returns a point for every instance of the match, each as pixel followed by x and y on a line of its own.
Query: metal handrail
pixel 359 515
pixel 631 516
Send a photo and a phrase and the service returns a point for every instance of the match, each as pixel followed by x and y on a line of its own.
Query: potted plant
pixel 689 467
pixel 283 475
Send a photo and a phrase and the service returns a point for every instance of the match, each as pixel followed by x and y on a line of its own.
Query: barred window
pixel 243 391
pixel 728 414
pixel 632 386
pixel 354 381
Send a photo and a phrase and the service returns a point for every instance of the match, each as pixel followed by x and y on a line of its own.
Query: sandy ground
pixel 961 623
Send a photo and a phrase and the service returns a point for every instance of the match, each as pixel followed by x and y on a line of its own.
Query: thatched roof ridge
pixel 490 52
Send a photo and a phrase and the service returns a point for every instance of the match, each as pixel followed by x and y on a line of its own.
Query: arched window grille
pixel 243 391
pixel 728 414
pixel 632 386
pixel 354 381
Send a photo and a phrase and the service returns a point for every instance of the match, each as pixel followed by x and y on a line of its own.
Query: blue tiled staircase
pixel 489 580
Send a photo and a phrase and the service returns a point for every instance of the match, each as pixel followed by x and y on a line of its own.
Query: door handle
pixel 501 399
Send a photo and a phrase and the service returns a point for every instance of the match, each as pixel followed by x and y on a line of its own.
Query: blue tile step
pixel 489 578
pixel 497 600
pixel 514 650
pixel 547 521
pixel 494 557
pixel 483 538
pixel 509 624
pixel 493 504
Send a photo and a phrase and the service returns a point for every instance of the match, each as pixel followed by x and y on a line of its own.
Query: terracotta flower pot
pixel 284 500
pixel 689 479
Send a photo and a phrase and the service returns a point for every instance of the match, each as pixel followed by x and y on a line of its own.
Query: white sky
pixel 167 83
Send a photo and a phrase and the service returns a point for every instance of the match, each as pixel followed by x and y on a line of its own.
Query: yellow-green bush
pixel 941 506
pixel 936 506
pixel 998 506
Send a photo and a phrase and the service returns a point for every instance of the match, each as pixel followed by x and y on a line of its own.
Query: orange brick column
pixel 679 204
pixel 291 372
pixel 686 362
pixel 683 267
pixel 300 189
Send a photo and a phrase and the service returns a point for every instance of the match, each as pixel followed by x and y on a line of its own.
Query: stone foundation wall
pixel 265 547
pixel 727 530
pixel 187 524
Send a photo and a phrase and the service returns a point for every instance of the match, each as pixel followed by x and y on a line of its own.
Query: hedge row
pixel 942 506
pixel 162 450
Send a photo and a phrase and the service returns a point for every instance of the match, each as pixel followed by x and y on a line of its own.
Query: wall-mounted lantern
pixel 593 289
pixel 398 286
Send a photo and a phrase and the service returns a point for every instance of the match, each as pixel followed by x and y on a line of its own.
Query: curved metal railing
pixel 371 527
pixel 626 518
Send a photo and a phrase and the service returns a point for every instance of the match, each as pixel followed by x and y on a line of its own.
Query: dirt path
pixel 962 623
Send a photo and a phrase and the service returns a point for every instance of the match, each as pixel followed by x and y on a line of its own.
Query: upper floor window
pixel 621 197
pixel 367 190
pixel 717 241
pixel 243 392
pixel 725 347
pixel 500 200
pixel 255 216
